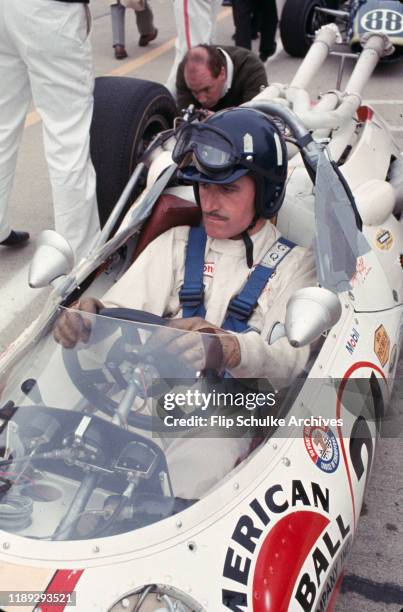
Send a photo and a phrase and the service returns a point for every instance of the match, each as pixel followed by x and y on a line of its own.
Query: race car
pixel 91 512
pixel 299 20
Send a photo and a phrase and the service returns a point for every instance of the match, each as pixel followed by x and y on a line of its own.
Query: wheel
pixel 128 112
pixel 299 22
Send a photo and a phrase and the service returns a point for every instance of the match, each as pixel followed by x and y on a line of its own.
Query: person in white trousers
pixel 195 24
pixel 45 54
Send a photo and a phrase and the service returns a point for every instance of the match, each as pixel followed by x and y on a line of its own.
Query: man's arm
pixel 147 284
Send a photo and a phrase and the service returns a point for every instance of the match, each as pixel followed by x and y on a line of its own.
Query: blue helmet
pixel 230 144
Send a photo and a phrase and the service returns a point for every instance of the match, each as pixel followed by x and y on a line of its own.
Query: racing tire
pixel 128 112
pixel 299 23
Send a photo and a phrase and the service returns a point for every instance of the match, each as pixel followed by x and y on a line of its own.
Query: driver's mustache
pixel 215 216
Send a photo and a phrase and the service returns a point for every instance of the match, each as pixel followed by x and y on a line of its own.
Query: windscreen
pixel 119 430
pixel 338 242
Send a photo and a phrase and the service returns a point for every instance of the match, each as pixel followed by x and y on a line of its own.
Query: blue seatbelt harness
pixel 191 295
pixel 241 307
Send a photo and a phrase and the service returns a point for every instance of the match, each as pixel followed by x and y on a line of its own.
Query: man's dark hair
pixel 215 58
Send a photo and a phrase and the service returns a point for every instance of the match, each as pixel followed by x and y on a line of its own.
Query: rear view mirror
pixel 310 312
pixel 52 259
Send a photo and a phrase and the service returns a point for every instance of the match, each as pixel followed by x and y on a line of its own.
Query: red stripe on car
pixel 63 581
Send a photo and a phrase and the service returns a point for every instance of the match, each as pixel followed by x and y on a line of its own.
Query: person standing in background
pixel 195 24
pixel 268 19
pixel 242 14
pixel 45 54
pixel 144 20
pixel 264 13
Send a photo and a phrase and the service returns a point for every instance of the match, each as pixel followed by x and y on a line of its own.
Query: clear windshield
pixel 338 242
pixel 100 439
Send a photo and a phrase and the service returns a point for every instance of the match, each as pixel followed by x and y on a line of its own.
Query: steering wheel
pixel 86 381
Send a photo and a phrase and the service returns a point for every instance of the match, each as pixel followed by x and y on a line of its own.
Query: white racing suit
pixel 153 284
pixel 195 24
pixel 45 52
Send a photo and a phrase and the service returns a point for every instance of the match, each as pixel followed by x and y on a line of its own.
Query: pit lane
pixel 373 575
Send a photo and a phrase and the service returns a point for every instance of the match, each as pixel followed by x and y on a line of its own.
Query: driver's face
pixel 228 209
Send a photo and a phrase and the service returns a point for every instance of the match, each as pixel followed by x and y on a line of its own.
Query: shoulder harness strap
pixel 191 295
pixel 241 307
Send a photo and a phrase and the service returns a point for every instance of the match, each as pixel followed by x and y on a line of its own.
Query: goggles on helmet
pixel 212 152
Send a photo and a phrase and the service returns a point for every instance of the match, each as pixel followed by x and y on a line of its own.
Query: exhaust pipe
pixel 325 39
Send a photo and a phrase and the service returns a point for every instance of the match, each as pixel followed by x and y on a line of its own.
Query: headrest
pixel 169 211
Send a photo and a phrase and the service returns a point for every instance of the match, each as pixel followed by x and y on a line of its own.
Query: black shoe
pixel 146 38
pixel 266 55
pixel 120 52
pixel 15 239
pixel 226 3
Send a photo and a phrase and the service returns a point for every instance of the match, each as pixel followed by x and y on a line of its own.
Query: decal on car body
pixel 322 447
pixel 352 341
pixel 381 345
pixel 382 20
pixel 298 538
pixel 384 240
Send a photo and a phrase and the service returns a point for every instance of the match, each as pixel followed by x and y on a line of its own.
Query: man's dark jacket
pixel 249 75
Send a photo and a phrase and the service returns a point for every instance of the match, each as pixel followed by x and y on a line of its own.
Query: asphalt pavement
pixel 374 573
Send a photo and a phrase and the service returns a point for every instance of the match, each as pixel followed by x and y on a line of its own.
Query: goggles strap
pixel 259 170
pixel 248 248
pixel 247 240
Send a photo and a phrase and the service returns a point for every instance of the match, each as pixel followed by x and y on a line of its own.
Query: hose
pixel 15 512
